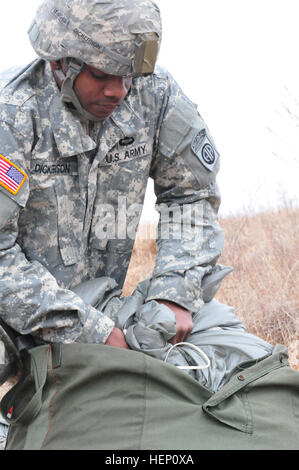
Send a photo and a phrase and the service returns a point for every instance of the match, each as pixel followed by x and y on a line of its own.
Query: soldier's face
pixel 99 93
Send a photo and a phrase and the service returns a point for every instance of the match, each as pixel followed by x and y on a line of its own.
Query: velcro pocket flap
pixel 176 125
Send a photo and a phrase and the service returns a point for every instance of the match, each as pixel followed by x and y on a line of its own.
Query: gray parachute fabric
pixel 217 332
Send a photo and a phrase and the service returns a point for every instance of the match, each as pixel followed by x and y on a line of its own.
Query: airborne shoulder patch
pixel 205 150
pixel 11 177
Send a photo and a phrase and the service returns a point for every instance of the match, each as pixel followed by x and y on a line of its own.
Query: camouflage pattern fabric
pixel 3 433
pixel 112 36
pixel 72 176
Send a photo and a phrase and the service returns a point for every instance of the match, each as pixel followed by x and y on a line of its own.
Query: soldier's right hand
pixel 117 339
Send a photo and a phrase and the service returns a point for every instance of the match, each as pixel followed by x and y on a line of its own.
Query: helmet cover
pixel 118 37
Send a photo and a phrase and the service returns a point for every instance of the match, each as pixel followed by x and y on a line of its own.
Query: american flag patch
pixel 11 177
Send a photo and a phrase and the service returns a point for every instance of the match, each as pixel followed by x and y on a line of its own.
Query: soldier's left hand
pixel 184 323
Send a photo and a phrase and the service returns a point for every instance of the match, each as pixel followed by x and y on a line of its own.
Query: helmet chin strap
pixel 67 90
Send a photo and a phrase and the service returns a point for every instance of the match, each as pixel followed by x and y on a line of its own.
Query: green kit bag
pixel 92 397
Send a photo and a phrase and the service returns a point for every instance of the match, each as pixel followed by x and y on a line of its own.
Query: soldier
pixel 82 128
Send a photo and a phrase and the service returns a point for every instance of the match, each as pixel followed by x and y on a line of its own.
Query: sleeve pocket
pixel 176 125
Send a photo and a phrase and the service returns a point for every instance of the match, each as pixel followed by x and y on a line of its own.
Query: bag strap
pixel 39 368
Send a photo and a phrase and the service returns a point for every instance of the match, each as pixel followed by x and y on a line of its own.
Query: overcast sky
pixel 238 60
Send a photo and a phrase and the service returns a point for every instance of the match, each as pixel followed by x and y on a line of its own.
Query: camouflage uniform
pixel 51 236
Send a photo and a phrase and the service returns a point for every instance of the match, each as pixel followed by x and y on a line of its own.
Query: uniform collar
pixel 127 119
pixel 69 133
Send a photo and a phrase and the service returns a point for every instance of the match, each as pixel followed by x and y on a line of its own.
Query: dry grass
pixel 264 286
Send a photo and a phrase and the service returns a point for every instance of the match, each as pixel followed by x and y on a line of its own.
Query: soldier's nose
pixel 116 88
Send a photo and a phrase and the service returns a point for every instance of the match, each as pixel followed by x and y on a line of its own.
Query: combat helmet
pixel 118 37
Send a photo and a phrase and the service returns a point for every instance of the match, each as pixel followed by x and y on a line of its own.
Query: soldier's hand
pixel 184 323
pixel 117 339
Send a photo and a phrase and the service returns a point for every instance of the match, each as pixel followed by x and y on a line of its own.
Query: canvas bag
pixel 125 400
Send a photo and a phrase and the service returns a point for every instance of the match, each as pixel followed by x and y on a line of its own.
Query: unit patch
pixel 122 154
pixel 205 150
pixel 11 177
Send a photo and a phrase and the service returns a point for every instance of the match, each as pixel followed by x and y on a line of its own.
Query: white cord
pixel 205 357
